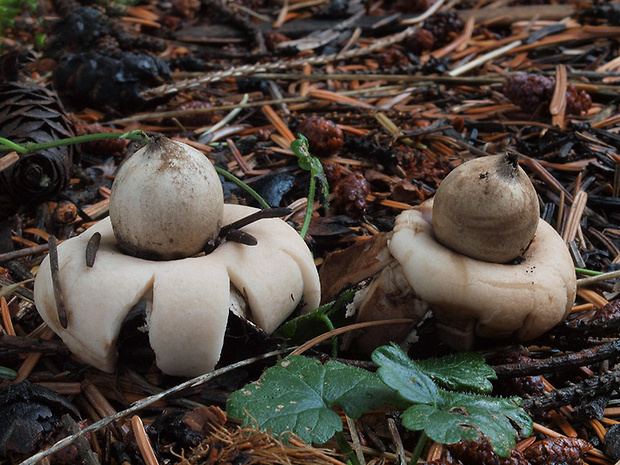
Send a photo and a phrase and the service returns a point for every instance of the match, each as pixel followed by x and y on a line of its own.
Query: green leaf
pixel 470 416
pixel 298 394
pixel 302 149
pixel 448 417
pixel 9 9
pixel 464 371
pixel 401 373
pixel 318 321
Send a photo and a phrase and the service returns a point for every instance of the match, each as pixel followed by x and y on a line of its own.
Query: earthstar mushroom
pixel 166 201
pixel 487 209
pixel 521 300
pixel 188 300
pixel 468 296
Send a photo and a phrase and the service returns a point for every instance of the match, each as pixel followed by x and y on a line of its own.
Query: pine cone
pixel 568 451
pixel 444 26
pixel 350 195
pixel 529 91
pixel 481 453
pixel 30 113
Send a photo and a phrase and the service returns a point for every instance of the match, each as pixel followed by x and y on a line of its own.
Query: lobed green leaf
pixel 447 416
pixel 466 371
pixel 470 416
pixel 298 394
pixel 401 373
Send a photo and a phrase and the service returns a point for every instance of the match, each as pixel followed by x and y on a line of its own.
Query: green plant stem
pixel 137 136
pixel 309 208
pixel 7 373
pixel 588 272
pixel 12 145
pixel 330 327
pixel 346 448
pixel 232 178
pixel 419 447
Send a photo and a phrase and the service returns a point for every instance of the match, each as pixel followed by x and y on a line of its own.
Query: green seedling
pixel 307 162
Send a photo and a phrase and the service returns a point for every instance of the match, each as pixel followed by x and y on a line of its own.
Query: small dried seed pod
pixel 486 209
pixel 65 212
pixel 166 201
pixel 420 41
pixel 324 136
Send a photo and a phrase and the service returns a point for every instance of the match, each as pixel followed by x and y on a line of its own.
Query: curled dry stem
pixel 232 232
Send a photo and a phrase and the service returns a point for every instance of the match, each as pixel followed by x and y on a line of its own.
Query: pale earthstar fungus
pixel 524 286
pixel 188 298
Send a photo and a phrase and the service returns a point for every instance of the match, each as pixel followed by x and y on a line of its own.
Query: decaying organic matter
pixel 467 82
pixel 29 416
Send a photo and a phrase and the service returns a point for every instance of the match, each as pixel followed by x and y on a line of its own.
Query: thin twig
pixel 197 381
pixel 24 344
pixel 587 388
pixel 5 257
pixel 553 364
pixel 297 63
pixel 345 329
pixel 599 278
pixel 86 453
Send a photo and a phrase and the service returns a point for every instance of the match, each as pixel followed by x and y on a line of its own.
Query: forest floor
pixel 392 96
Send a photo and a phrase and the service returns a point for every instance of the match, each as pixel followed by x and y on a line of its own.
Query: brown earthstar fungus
pixel 188 298
pixel 524 287
pixel 166 201
pixel 486 209
pixel 469 296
